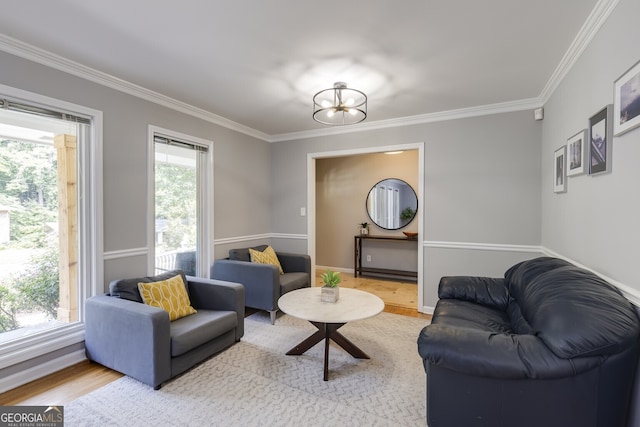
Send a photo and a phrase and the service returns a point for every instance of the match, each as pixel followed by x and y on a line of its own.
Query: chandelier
pixel 339 105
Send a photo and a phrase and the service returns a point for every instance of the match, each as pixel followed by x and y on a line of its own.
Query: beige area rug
pixel 253 383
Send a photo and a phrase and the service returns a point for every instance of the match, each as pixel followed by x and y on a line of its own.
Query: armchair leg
pixel 273 316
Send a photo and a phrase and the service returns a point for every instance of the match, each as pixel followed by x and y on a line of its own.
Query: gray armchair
pixel 263 283
pixel 138 340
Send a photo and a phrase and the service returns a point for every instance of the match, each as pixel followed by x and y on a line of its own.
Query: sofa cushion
pixel 192 331
pixel 469 315
pixel 169 295
pixel 519 324
pixel 293 281
pixel 128 288
pixel 268 256
pixel 521 274
pixel 573 311
pixel 242 254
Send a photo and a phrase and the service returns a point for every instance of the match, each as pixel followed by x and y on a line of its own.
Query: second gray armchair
pixel 263 283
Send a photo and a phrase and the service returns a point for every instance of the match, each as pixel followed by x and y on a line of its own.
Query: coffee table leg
pixel 327 331
pixel 307 344
pixel 326 355
pixel 347 345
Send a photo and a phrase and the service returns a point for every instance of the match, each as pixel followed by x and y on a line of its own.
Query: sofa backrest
pixel 573 311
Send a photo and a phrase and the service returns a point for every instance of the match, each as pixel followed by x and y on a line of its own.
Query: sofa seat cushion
pixel 293 281
pixel 192 331
pixel 469 315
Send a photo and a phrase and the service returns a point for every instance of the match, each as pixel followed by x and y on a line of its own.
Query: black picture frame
pixel 576 150
pixel 559 170
pixel 626 101
pixel 600 141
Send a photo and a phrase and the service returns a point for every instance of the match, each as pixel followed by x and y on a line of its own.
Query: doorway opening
pixel 332 231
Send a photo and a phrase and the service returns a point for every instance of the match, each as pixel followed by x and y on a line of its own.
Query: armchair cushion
pixel 268 256
pixel 190 332
pixel 128 288
pixel 292 281
pixel 169 295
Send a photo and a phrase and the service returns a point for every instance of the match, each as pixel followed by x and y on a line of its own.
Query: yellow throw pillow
pixel 267 257
pixel 169 295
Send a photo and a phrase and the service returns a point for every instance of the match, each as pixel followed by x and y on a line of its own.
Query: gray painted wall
pixel 597 221
pixel 482 186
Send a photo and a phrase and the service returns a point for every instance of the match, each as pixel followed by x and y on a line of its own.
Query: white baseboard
pixel 337 269
pixel 426 309
pixel 36 372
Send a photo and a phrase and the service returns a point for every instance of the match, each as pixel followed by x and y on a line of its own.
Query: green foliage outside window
pixel 28 189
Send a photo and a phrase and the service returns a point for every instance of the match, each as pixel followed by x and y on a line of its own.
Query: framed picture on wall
pixel 626 101
pixel 559 171
pixel 576 149
pixel 600 136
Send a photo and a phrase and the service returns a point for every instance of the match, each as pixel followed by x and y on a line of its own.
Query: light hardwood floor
pixel 68 384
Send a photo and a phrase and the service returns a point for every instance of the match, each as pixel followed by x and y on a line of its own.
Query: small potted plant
pixel 330 292
pixel 364 228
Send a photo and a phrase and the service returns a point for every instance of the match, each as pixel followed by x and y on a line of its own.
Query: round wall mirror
pixel 392 204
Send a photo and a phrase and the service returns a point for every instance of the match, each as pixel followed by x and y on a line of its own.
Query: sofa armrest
pixel 129 337
pixel 261 281
pixel 294 262
pixel 487 291
pixel 209 294
pixel 504 356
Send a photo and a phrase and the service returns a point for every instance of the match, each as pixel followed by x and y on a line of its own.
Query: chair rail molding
pixel 125 253
pixel 482 246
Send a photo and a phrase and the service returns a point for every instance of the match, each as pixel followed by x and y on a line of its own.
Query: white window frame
pixel 206 195
pixel 90 246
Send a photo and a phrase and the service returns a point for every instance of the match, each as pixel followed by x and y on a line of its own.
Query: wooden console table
pixel 357 256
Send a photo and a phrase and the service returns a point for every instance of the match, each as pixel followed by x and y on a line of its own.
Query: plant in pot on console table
pixel 364 228
pixel 330 292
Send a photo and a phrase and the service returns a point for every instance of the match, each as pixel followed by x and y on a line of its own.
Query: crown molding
pixel 592 25
pixel 41 56
pixel 462 113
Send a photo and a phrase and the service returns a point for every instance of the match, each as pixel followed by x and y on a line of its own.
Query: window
pixel 182 202
pixel 50 222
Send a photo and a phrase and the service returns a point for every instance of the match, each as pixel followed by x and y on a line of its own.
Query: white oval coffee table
pixel 328 317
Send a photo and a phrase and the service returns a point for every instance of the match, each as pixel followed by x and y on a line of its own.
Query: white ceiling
pixel 258 63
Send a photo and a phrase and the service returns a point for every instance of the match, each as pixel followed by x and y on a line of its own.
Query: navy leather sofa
pixel 549 344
